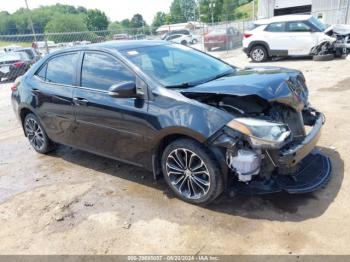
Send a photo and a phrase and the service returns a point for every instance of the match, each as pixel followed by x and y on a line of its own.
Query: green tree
pixel 115 26
pixel 81 9
pixel 159 19
pixel 125 23
pixel 67 23
pixel 183 11
pixel 137 21
pixel 96 20
pixel 211 10
pixel 228 9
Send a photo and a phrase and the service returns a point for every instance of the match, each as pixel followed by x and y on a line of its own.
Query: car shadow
pixel 274 207
pixel 290 59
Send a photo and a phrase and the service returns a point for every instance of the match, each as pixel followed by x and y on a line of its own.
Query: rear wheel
pixel 191 172
pixel 183 42
pixel 259 54
pixel 36 135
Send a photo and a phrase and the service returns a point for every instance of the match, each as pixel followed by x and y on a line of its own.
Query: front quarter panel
pixel 173 113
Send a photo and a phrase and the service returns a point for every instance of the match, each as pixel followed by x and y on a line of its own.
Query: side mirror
pixel 124 90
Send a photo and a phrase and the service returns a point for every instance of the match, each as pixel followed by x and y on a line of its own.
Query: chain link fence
pixel 220 39
pixel 206 37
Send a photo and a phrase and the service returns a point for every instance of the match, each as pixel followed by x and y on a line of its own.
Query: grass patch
pixel 247 9
pixel 22 44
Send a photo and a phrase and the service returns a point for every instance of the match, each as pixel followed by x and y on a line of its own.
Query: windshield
pixel 318 24
pixel 176 65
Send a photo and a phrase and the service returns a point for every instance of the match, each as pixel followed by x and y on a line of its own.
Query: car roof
pixel 119 45
pixel 282 18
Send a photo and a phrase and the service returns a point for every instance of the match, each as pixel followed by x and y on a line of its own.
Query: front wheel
pixel 259 54
pixel 36 135
pixel 191 172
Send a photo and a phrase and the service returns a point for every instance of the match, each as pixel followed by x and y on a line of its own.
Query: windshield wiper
pixel 182 85
pixel 227 73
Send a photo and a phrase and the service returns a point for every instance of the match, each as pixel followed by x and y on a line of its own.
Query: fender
pixel 263 43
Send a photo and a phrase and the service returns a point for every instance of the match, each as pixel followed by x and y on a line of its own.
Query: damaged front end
pixel 336 43
pixel 270 142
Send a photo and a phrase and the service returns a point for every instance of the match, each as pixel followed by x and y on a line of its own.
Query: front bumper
pixel 308 169
pixel 289 156
pixel 314 173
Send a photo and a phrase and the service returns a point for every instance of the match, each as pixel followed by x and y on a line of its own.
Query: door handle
pixel 80 101
pixel 35 91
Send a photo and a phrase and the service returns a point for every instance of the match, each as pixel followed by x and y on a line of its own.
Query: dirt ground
pixel 72 202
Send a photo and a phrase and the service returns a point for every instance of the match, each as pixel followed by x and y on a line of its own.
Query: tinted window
pixel 61 69
pixel 42 72
pixel 298 27
pixel 101 71
pixel 276 27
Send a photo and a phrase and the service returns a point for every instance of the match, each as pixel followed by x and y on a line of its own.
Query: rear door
pixel 52 95
pixel 107 125
pixel 277 37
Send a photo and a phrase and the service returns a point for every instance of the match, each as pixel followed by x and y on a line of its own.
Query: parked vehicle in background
pixel 294 35
pixel 44 46
pixel 14 64
pixel 207 126
pixel 179 39
pixel 31 52
pixel 194 38
pixel 225 38
pixel 139 37
pixel 121 37
pixel 10 48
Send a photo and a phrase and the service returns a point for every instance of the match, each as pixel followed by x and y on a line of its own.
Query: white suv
pixel 290 35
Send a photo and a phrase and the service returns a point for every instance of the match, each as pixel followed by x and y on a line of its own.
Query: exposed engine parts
pixel 245 163
pixel 338 43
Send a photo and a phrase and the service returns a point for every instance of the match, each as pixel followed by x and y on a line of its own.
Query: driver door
pixel 107 125
pixel 301 37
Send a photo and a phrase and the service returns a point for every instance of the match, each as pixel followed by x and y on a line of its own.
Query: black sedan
pixel 14 64
pixel 203 124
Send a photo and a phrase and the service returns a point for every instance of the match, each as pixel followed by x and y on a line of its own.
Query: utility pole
pixel 347 12
pixel 30 21
pixel 253 10
pixel 212 6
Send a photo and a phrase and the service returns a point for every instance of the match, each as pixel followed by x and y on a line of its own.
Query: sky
pixel 114 9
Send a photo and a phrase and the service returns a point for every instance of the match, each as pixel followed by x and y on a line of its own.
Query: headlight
pixel 261 133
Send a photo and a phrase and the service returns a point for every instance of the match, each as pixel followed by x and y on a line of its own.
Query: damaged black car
pixel 203 124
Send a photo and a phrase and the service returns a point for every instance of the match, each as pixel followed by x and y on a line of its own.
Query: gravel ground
pixel 72 202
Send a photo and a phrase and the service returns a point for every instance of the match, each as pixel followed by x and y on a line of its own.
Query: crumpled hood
pixel 273 84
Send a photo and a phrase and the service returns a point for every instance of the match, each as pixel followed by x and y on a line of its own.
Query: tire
pixel 259 54
pixel 36 135
pixel 194 41
pixel 198 181
pixel 327 57
pixel 183 42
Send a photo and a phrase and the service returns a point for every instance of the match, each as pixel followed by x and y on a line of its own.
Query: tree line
pixel 67 18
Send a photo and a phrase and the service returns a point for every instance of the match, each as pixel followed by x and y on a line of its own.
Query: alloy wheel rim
pixel 258 55
pixel 188 173
pixel 35 134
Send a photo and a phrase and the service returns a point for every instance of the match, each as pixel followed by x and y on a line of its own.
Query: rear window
pixel 276 27
pixel 61 69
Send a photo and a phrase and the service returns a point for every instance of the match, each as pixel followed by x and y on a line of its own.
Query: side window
pixel 42 72
pixel 101 71
pixel 298 27
pixel 276 27
pixel 61 69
